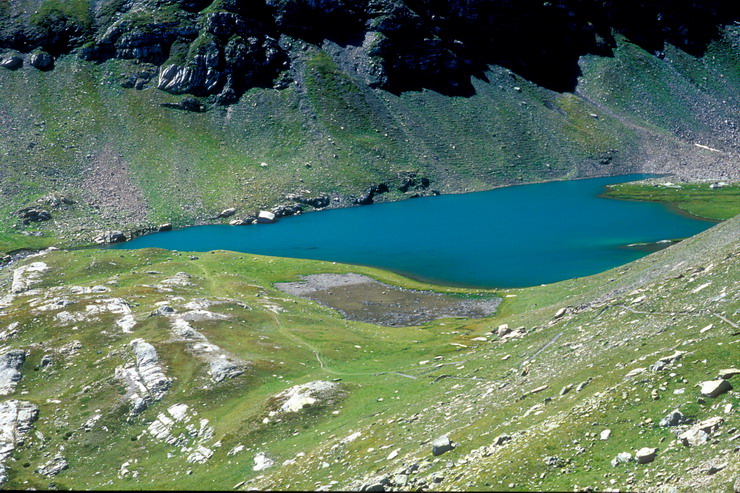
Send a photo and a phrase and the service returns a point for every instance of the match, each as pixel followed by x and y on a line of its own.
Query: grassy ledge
pixel 696 199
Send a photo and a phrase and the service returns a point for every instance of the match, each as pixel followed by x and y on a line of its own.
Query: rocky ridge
pixel 223 48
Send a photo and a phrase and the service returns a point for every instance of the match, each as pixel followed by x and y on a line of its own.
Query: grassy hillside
pixel 129 163
pixel 398 388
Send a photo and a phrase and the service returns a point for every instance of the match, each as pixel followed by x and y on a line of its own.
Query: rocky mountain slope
pixel 306 105
pixel 152 369
pixel 165 370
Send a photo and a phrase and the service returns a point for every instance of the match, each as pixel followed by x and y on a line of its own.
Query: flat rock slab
pixel 361 298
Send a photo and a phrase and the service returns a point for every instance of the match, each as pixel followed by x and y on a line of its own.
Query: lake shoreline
pixel 483 240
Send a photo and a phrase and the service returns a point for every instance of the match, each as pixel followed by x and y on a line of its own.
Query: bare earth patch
pixel 361 298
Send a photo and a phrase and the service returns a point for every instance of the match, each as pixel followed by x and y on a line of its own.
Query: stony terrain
pixel 152 369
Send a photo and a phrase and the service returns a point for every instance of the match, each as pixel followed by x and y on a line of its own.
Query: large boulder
pixel 714 388
pixel 728 373
pixel 645 455
pixel 369 196
pixel 227 212
pixel 33 215
pixel 42 61
pixel 265 217
pixel 222 369
pixel 287 210
pixel 16 418
pixel 442 445
pixel 674 418
pixel 12 62
pixel 53 467
pixel 27 276
pixel 699 433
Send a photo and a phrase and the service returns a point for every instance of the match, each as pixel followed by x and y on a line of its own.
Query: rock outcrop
pixel 305 395
pixel 145 379
pixel 699 433
pixel 16 418
pixel 53 467
pixel 369 196
pixel 10 375
pixel 223 50
pixel 27 276
pixel 110 237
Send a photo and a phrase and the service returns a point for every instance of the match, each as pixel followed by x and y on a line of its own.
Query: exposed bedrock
pixel 231 46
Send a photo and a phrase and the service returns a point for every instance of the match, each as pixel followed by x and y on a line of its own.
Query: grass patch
pixel 696 199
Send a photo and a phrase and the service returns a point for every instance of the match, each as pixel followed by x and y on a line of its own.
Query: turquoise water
pixel 508 237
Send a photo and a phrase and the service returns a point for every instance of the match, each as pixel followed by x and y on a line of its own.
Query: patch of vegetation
pixel 697 199
pixel 59 16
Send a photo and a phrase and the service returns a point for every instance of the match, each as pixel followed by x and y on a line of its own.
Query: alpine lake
pixel 507 237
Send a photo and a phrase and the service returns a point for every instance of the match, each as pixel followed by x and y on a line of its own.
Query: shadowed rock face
pixel 404 44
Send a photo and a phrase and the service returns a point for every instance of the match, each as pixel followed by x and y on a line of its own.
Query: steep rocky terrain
pixel 128 114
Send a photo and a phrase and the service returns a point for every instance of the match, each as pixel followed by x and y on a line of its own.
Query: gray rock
pixel 621 458
pixel 501 439
pixel 145 381
pixel 401 480
pixel 110 237
pixel 227 212
pixel 53 467
pixel 222 369
pixel 667 360
pixel 286 210
pixel 318 202
pixel 42 61
pixel 242 222
pixel 30 215
pixel 11 62
pixel 266 217
pixel 645 455
pixel 699 433
pixel 728 373
pixel 714 469
pixel 27 276
pixel 442 445
pixel 163 311
pixel 372 486
pixel 16 418
pixel 714 388
pixel 10 375
pixel 674 418
pixel 553 461
pixel 582 385
pixel 566 389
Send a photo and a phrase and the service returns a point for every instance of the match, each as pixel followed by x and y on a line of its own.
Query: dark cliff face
pixel 221 48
